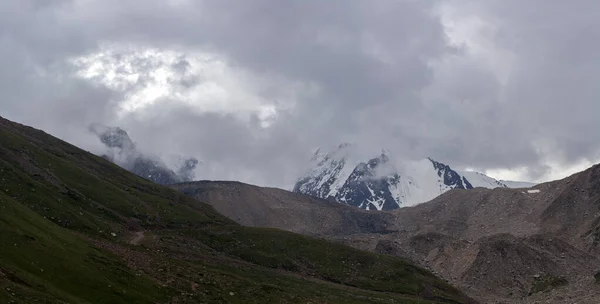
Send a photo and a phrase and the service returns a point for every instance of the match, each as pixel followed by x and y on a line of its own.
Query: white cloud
pixel 203 81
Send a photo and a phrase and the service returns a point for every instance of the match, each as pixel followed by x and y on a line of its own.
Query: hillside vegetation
pixel 77 229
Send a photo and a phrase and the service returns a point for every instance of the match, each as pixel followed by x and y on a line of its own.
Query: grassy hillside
pixel 68 218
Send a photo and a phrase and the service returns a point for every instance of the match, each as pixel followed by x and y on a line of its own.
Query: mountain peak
pixel 344 145
pixel 122 150
pixel 377 183
pixel 112 137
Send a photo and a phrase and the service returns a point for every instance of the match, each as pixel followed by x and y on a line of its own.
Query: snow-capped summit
pixel 381 183
pixel 481 180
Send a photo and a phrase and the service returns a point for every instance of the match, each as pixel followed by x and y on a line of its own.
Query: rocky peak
pixel 451 177
pixel 122 150
pixel 380 183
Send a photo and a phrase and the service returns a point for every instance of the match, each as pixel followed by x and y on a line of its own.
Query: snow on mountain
pixel 481 180
pixel 381 183
pixel 517 184
pixel 329 173
pixel 423 180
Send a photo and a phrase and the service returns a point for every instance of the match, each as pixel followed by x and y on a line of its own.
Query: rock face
pixel 122 151
pixel 372 191
pixel 381 183
pixel 450 177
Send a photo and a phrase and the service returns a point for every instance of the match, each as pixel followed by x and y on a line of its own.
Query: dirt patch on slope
pixel 138 237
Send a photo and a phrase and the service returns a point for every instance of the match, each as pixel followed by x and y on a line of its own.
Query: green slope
pixel 67 218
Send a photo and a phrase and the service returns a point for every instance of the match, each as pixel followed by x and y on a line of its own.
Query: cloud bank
pixel 251 88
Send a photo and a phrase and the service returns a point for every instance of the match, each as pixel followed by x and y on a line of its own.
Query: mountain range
pixel 76 228
pixel 382 183
pixel 377 183
pixel 501 245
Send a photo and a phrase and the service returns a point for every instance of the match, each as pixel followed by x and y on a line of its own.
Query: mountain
pixel 256 206
pixel 75 228
pixel 517 184
pixel 123 151
pixel 501 245
pixel 380 183
pixel 521 245
pixel 481 180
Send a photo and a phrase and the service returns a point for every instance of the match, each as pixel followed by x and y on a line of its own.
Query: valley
pixel 226 241
pixel 500 245
pixel 310 152
pixel 68 220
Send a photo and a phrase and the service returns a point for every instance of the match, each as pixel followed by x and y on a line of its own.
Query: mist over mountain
pixel 503 245
pixel 122 150
pixel 384 182
pixel 474 151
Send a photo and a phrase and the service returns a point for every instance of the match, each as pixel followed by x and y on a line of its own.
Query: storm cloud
pixel 251 88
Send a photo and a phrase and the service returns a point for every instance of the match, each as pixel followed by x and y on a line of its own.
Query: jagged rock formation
pixel 123 151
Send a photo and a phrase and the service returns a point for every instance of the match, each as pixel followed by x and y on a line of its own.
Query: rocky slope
pixel 76 228
pixel 275 208
pixel 381 183
pixel 502 245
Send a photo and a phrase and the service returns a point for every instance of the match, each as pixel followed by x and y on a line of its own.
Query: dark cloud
pixel 488 85
pixel 543 110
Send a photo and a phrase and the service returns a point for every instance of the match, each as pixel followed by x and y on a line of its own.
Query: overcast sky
pixel 251 88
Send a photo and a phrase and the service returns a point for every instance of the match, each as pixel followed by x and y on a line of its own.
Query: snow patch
pixel 378 203
pixel 534 191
